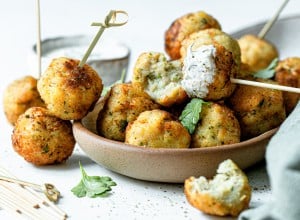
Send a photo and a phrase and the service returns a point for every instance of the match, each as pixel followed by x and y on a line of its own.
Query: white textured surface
pixel 131 199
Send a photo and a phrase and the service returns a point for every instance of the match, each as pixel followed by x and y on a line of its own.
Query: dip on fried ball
pixel 183 26
pixel 288 74
pixel 20 95
pixel 257 109
pixel 256 52
pixel 41 138
pixel 217 126
pixel 159 78
pixel 157 129
pixel 123 105
pixel 68 90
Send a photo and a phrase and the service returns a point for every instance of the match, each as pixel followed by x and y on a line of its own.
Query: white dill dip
pixel 198 70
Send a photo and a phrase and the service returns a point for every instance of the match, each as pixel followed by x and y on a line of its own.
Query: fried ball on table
pixel 217 126
pixel 288 74
pixel 20 95
pixel 42 138
pixel 257 109
pixel 124 105
pixel 157 129
pixel 183 26
pixel 68 90
pixel 256 52
pixel 159 78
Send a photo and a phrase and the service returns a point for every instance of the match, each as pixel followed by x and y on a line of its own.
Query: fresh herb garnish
pixel 268 72
pixel 191 114
pixel 92 186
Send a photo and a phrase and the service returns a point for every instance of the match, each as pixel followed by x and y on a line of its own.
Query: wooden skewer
pixel 270 23
pixel 38 43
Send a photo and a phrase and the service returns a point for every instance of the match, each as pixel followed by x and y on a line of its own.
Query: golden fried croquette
pixel 20 95
pixel 256 52
pixel 184 26
pixel 257 109
pixel 217 126
pixel 228 193
pixel 41 138
pixel 157 129
pixel 207 71
pixel 159 78
pixel 124 105
pixel 288 74
pixel 68 90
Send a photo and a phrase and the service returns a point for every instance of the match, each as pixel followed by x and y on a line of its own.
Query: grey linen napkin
pixel 283 167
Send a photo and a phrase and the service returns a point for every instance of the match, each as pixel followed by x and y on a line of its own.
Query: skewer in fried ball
pixel 257 109
pixel 288 74
pixel 157 129
pixel 217 126
pixel 123 105
pixel 210 58
pixel 68 90
pixel 183 26
pixel 42 138
pixel 256 52
pixel 20 95
pixel 159 78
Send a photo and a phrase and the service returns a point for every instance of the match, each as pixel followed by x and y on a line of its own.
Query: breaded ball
pixel 217 126
pixel 68 90
pixel 124 105
pixel 207 71
pixel 20 95
pixel 256 52
pixel 157 129
pixel 228 193
pixel 288 74
pixel 184 26
pixel 41 138
pixel 159 78
pixel 257 109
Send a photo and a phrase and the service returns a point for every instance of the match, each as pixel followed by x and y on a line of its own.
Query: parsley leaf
pixel 92 186
pixel 268 72
pixel 191 114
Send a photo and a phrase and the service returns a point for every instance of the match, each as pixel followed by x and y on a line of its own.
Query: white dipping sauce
pixel 198 70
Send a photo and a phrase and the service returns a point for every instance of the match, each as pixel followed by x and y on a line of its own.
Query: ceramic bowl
pixel 175 165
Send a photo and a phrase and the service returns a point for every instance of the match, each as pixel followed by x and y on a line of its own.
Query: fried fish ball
pixel 68 90
pixel 217 126
pixel 257 109
pixel 159 78
pixel 41 138
pixel 256 52
pixel 228 193
pixel 20 95
pixel 288 74
pixel 183 26
pixel 124 105
pixel 157 129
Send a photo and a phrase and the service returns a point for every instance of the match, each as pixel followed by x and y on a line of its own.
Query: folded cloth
pixel 283 168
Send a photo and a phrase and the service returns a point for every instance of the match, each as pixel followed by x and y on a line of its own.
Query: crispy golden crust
pixel 41 138
pixel 124 105
pixel 68 90
pixel 218 126
pixel 257 53
pixel 182 27
pixel 159 78
pixel 20 95
pixel 257 109
pixel 288 74
pixel 157 129
pixel 228 193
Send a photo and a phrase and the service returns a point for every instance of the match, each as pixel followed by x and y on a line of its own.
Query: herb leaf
pixel 191 114
pixel 268 72
pixel 92 186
